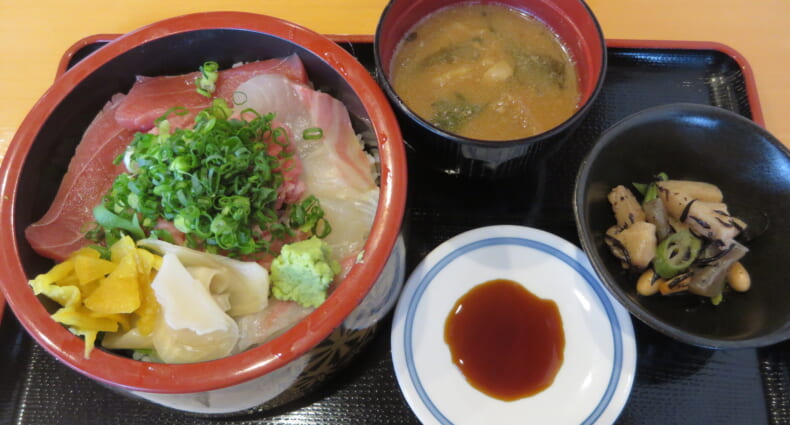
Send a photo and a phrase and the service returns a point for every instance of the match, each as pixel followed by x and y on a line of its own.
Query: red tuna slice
pixel 151 97
pixel 90 174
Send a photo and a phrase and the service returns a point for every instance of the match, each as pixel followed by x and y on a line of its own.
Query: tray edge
pixel 743 63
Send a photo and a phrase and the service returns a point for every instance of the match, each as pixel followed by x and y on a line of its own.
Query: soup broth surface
pixel 486 72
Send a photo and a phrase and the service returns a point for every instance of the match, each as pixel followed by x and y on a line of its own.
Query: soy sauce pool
pixel 508 343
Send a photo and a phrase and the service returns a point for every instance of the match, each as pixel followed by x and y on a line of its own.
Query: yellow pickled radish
pixel 89 269
pixel 90 340
pixel 119 292
pixel 85 252
pixel 59 272
pixel 122 248
pixel 80 317
pixel 66 296
pixel 97 295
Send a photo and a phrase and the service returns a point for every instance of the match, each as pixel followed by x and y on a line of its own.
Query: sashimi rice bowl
pixel 205 213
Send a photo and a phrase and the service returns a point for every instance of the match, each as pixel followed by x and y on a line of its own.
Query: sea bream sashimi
pixel 336 168
pixel 90 174
pixel 151 97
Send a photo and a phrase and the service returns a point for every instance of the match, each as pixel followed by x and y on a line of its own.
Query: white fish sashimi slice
pixel 351 220
pixel 346 165
pixel 337 156
pixel 273 93
pixel 336 169
pixel 276 318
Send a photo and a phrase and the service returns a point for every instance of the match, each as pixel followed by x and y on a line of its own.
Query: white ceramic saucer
pixel 595 379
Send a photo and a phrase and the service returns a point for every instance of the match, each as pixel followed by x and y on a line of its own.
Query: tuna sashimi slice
pixel 90 175
pixel 151 97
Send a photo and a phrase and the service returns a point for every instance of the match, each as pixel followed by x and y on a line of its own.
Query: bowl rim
pixel 585 237
pixel 204 376
pixel 561 128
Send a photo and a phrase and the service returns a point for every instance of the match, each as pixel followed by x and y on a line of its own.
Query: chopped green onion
pixel 280 136
pixel 216 183
pixel 163 234
pixel 313 133
pixel 103 251
pixel 161 122
pixel 106 218
pixel 308 216
pixel 219 109
pixel 206 82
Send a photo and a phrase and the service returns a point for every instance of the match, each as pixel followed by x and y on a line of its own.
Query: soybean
pixel 648 283
pixel 738 278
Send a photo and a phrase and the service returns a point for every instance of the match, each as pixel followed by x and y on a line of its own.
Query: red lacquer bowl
pixel 573 23
pixel 33 167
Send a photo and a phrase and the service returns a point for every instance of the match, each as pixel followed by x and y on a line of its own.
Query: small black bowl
pixel 750 166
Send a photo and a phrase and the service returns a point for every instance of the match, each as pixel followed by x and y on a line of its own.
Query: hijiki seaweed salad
pixel 206 213
pixel 680 237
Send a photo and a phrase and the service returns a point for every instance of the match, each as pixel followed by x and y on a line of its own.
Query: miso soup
pixel 486 72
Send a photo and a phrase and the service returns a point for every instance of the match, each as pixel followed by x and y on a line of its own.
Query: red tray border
pixel 746 69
